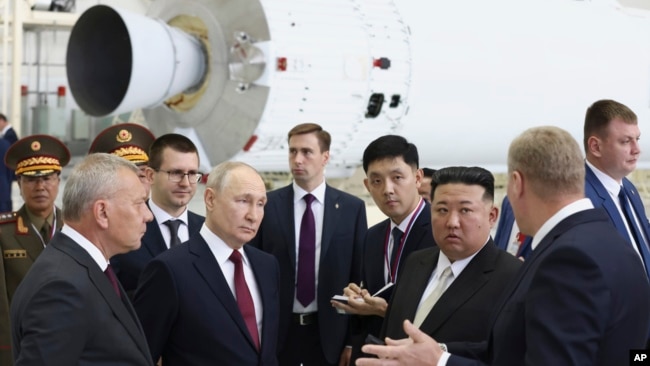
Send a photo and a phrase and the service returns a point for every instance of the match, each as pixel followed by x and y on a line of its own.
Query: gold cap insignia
pixel 124 136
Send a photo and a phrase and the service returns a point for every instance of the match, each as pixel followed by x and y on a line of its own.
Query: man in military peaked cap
pixel 129 141
pixel 37 161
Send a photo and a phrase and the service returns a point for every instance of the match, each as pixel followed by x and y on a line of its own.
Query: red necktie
pixel 113 280
pixel 306 279
pixel 244 298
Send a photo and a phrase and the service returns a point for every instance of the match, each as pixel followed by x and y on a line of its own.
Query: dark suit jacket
pixel 582 298
pixel 420 237
pixel 596 192
pixel 463 311
pixel 190 315
pixel 504 229
pixel 129 266
pixel 10 135
pixel 65 312
pixel 20 246
pixel 344 225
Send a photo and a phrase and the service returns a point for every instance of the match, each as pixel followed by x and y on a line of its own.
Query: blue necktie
pixel 306 286
pixel 636 232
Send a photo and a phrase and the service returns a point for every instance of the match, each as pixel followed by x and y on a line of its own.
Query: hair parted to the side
pixel 324 137
pixel 391 146
pixel 94 178
pixel 600 114
pixel 550 159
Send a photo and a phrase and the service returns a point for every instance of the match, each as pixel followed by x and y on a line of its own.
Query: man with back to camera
pixel 316 233
pixel 214 300
pixel 449 291
pixel 393 180
pixel 37 161
pixel 70 309
pixel 571 302
pixel 174 173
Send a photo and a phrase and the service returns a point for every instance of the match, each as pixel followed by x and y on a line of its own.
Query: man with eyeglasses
pixel 37 161
pixel 174 173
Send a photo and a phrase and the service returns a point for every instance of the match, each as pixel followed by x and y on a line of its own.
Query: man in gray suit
pixel 70 308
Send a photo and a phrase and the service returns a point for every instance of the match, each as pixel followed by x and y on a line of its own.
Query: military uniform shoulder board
pixel 7 217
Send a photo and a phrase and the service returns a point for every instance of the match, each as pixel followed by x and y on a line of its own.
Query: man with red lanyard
pixel 37 161
pixel 393 179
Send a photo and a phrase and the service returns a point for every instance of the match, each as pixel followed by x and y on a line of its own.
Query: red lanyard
pixel 393 266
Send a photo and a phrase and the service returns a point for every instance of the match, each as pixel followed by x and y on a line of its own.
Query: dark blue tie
pixel 634 228
pixel 306 286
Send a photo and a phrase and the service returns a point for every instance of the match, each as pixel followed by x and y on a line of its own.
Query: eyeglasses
pixel 177 176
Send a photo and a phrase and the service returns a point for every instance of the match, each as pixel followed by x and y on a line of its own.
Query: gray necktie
pixel 173 232
pixel 433 297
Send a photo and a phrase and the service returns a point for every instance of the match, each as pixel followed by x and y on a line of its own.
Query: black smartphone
pixel 371 339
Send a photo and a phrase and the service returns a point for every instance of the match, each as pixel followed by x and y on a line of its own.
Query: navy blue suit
pixel 6 179
pixel 373 277
pixel 581 298
pixel 504 229
pixel 344 226
pixel 596 192
pixel 190 316
pixel 129 266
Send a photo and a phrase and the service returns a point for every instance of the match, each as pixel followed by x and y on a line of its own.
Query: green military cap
pixel 37 155
pixel 126 140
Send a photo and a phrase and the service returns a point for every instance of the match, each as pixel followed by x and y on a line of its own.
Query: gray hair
pixel 551 159
pixel 94 178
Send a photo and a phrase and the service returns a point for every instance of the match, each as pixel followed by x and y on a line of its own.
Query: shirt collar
pixel 161 216
pixel 610 184
pixel 318 192
pixel 405 223
pixel 219 248
pixel 568 210
pixel 458 266
pixel 89 247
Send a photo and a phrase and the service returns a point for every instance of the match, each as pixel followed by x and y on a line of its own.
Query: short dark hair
pixel 3 117
pixel 600 114
pixel 391 146
pixel 428 172
pixel 324 138
pixel 465 175
pixel 173 141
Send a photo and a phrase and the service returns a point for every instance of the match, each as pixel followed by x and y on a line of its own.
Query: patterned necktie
pixel 110 274
pixel 173 226
pixel 433 297
pixel 244 298
pixel 306 286
pixel 397 239
pixel 637 237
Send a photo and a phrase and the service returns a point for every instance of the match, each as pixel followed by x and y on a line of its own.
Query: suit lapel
pixel 210 271
pixel 374 254
pixel 265 283
pixel 284 209
pixel 421 276
pixel 463 288
pixel 330 215
pixel 637 204
pixel 606 201
pixel 153 240
pixel 118 306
